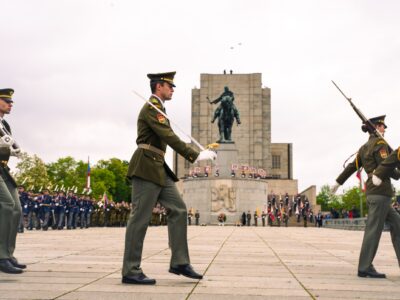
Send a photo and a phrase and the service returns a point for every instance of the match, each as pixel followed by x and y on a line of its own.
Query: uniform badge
pixel 383 153
pixel 161 118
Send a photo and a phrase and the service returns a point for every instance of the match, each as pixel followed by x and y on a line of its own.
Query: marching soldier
pixel 61 210
pixel 45 203
pixel 88 210
pixel 10 207
pixel 369 157
pixel 152 181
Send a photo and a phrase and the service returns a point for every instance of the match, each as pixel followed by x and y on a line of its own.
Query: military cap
pixel 6 94
pixel 162 77
pixel 378 120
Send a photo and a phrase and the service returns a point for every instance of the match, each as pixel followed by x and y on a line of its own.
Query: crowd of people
pixel 60 210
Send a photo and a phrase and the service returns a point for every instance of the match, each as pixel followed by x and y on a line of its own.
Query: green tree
pixel 65 172
pixel 32 171
pixel 121 190
pixel 327 200
pixel 102 180
pixel 351 198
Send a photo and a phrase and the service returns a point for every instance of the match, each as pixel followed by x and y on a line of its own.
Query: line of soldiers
pixel 59 210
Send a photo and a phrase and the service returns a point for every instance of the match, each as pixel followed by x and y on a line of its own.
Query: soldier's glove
pixel 334 188
pixel 376 180
pixel 6 140
pixel 15 152
pixel 206 155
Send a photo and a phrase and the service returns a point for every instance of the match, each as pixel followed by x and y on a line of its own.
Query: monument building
pixel 249 166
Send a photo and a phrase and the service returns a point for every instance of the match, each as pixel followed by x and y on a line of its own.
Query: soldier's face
pixel 165 91
pixel 5 107
pixel 381 129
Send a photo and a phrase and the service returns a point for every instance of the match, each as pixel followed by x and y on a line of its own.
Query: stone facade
pixel 253 137
pixel 252 147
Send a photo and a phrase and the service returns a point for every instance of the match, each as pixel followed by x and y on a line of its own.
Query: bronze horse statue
pixel 226 113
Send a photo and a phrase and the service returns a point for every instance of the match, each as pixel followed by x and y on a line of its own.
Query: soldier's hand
pixel 206 155
pixel 7 140
pixel 15 152
pixel 334 188
pixel 376 180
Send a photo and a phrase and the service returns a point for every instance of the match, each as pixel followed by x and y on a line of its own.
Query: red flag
pixel 358 174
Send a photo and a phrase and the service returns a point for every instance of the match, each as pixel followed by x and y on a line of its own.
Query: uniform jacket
pixel 388 166
pixel 370 156
pixel 154 129
pixel 4 157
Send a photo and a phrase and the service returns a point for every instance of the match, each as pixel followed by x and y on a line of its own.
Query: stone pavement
pixel 238 263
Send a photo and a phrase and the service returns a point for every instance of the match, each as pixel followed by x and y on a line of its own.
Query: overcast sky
pixel 73 65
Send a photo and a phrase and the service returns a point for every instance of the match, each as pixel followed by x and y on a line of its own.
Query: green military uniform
pixel 387 167
pixel 152 181
pixel 10 207
pixel 369 157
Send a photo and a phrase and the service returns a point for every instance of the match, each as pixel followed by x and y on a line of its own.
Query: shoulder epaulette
pixel 381 142
pixel 155 103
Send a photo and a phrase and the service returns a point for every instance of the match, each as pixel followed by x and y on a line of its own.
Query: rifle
pixel 369 126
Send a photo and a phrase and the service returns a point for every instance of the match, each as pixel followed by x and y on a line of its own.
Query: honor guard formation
pixel 156 200
pixel 59 210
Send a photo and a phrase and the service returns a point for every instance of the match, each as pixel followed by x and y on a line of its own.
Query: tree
pixel 67 172
pixel 32 171
pixel 121 190
pixel 327 200
pixel 351 198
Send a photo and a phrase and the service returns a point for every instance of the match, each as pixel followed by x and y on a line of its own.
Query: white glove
pixel 15 152
pixel 7 140
pixel 334 188
pixel 376 180
pixel 206 154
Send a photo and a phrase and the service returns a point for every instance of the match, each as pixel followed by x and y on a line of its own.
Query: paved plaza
pixel 237 263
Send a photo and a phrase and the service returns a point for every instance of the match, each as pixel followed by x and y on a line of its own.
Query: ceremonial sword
pixel 210 146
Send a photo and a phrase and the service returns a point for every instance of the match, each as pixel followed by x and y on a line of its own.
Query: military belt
pixel 152 149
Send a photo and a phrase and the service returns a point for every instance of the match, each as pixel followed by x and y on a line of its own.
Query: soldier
pixel 23 199
pixel 197 217
pixel 190 215
pixel 152 181
pixel 81 209
pixel 45 203
pixel 248 218
pixel 33 214
pixel 370 156
pixel 10 207
pixel 263 217
pixel 60 209
pixel 255 218
pixel 88 211
pixel 72 208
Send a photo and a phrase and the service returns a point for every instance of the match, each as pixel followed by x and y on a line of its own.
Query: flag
pixel 363 184
pixel 358 174
pixel 88 176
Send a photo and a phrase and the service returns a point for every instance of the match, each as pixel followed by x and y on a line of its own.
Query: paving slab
pixel 237 263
